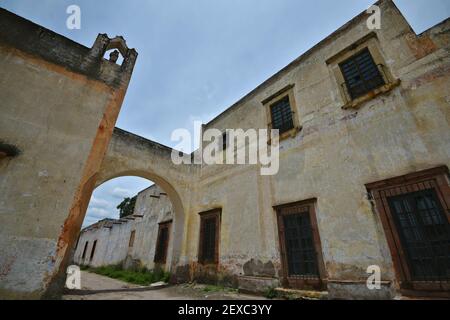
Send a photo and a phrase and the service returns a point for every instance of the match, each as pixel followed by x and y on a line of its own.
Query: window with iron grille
pixel 300 251
pixel 281 114
pixel 93 250
pixel 425 234
pixel 361 74
pixel 162 243
pixel 209 237
pixel 415 214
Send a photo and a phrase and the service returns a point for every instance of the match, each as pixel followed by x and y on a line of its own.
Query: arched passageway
pixel 177 215
pixel 132 155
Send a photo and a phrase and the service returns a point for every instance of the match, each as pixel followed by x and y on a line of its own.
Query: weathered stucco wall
pixel 58 107
pixel 334 155
pixel 113 236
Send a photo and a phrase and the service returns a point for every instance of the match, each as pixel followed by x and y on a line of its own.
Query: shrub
pixel 271 293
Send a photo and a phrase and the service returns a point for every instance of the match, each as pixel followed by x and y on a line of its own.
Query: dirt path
pixel 97 287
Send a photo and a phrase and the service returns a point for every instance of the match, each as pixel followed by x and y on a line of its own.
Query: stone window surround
pixel 281 94
pixel 370 42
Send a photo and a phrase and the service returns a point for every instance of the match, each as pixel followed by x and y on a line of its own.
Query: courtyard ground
pixel 97 287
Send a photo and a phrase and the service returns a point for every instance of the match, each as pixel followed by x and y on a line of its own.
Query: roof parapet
pixel 17 33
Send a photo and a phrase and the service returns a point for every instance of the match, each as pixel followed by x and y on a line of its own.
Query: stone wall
pixel 59 104
pixel 336 153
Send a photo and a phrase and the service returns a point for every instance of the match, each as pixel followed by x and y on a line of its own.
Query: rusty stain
pixel 74 221
pixel 420 46
pixel 430 76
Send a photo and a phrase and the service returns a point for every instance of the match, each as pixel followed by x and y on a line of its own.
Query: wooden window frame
pixel 163 225
pixel 301 282
pixel 370 42
pixel 287 91
pixel 132 238
pixel 217 214
pixel 94 247
pixel 353 60
pixel 437 179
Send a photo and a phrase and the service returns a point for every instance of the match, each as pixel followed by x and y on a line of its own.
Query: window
pixel 162 242
pixel 414 210
pixel 361 74
pixel 209 237
pixel 280 112
pixel 132 235
pixel 301 252
pixel 282 115
pixel 424 233
pixel 85 250
pixel 93 250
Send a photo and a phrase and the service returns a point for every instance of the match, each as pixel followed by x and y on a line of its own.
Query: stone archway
pixel 179 213
pixel 132 155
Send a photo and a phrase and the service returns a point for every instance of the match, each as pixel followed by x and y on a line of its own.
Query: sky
pixel 198 57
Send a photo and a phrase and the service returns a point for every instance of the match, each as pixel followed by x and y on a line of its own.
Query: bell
pixel 114 56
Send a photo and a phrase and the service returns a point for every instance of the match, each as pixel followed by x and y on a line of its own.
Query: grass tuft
pixel 142 276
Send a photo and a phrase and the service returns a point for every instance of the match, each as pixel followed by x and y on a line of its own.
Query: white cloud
pixel 99 203
pixel 96 214
pixel 99 213
pixel 121 193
